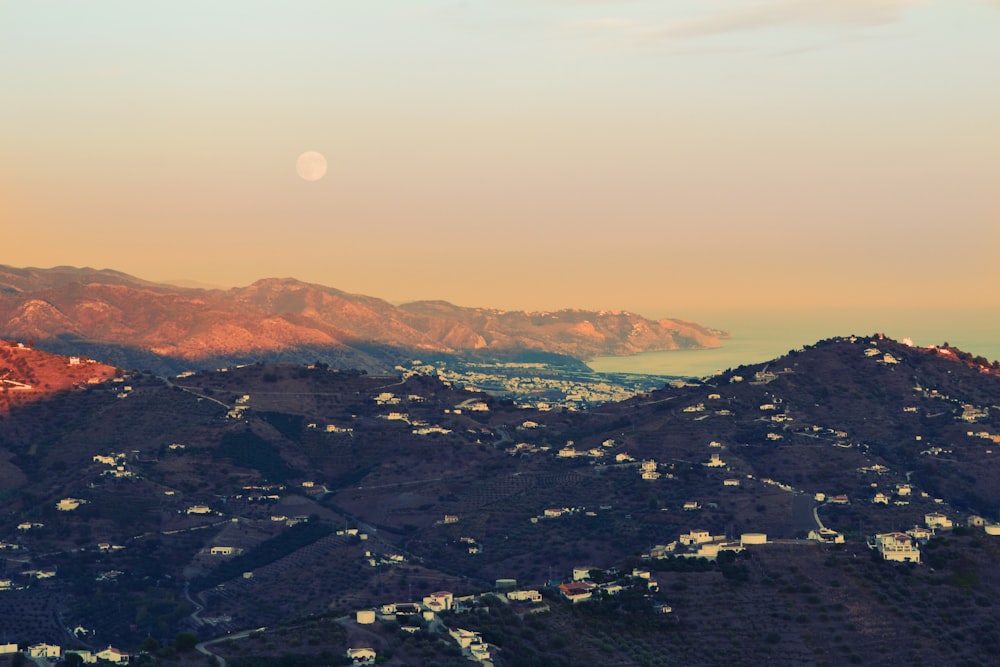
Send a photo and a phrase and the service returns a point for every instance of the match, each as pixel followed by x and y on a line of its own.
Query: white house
pixel 697 536
pixel 44 651
pixel 920 534
pixel 69 504
pixel 525 596
pixel 577 591
pixel 716 462
pixel 439 601
pixel 937 520
pixel 480 652
pixel 827 536
pixel 465 638
pixel 897 547
pixel 112 654
pixel 362 655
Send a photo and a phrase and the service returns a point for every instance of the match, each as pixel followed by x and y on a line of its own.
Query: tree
pixel 185 641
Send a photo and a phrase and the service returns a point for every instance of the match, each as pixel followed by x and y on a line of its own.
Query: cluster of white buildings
pixel 700 543
pixel 574 392
pixel 55 652
pixel 117 466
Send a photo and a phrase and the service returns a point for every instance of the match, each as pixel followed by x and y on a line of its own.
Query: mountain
pixel 286 498
pixel 137 323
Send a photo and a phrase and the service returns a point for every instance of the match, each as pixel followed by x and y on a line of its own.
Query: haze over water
pixel 760 336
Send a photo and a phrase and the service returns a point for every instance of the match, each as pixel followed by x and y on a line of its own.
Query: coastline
pixel 759 337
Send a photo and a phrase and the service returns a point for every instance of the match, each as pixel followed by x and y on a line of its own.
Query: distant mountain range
pixel 111 315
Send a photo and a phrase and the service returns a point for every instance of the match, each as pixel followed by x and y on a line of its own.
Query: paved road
pixel 190 390
pixel 204 650
pixel 804 517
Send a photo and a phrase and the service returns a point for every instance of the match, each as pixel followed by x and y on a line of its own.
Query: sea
pixel 756 337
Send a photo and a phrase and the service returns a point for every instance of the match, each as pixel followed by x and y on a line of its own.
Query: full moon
pixel 311 166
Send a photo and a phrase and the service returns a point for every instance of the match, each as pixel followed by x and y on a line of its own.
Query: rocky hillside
pixel 108 314
pixel 27 374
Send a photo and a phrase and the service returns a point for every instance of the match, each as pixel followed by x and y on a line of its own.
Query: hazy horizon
pixel 535 155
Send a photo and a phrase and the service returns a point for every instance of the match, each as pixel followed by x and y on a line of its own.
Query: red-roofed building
pixel 576 591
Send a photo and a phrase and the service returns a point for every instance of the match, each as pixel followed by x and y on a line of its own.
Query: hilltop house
pixel 898 547
pixel 937 520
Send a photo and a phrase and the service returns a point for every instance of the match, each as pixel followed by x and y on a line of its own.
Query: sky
pixel 663 157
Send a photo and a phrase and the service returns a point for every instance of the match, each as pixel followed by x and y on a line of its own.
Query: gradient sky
pixel 665 157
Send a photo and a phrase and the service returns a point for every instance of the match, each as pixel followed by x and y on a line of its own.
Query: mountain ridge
pixel 119 313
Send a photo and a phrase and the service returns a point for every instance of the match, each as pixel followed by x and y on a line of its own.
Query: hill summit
pixel 27 374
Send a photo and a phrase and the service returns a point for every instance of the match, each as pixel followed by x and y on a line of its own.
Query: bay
pixel 756 337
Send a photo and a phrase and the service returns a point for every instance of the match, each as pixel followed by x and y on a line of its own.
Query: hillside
pixel 165 328
pixel 338 491
pixel 27 374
